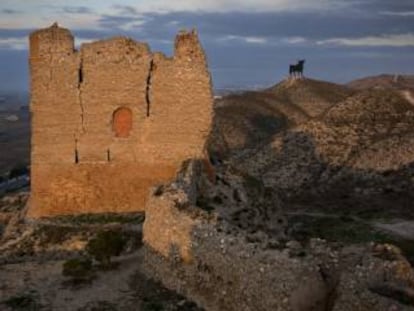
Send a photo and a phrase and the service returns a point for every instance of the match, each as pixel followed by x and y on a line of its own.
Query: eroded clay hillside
pixel 250 119
pixel 360 148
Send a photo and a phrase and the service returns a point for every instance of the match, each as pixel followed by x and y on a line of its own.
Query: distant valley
pixel 14 131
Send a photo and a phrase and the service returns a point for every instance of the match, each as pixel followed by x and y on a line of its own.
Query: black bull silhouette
pixel 297 70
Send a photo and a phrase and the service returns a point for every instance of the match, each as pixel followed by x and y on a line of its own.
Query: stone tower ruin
pixel 112 119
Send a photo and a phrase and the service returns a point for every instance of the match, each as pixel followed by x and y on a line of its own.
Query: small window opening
pixel 122 122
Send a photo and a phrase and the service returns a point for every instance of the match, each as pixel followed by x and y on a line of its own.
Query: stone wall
pixel 80 162
pixel 170 208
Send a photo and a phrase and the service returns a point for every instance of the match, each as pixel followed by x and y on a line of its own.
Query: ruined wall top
pixel 51 40
pixel 187 46
pixel 56 40
pixel 115 49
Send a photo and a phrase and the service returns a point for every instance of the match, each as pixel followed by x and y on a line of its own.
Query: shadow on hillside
pixel 305 180
pixel 338 203
pixel 240 125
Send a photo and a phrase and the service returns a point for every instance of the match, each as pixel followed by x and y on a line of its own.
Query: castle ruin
pixel 112 119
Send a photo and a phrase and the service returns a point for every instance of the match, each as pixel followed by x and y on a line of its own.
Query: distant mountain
pixel 13 100
pixel 385 81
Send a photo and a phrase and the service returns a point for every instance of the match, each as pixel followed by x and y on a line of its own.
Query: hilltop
pixel 248 119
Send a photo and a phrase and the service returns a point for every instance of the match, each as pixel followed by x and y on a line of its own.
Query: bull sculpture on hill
pixel 296 71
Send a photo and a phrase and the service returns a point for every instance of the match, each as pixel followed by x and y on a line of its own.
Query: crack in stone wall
pixel 148 89
pixel 80 82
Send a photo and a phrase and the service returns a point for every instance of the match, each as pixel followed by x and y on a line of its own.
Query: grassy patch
pixel 152 306
pixel 335 229
pixel 101 305
pixel 345 230
pixel 51 234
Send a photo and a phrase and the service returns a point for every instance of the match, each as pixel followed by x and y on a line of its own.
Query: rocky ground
pixel 246 248
pixel 32 255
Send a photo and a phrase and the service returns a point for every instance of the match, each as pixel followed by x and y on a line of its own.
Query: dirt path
pixel 397 227
pixel 46 280
pixel 408 96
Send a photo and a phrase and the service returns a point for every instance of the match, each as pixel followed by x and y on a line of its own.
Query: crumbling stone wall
pixel 112 119
pixel 199 254
pixel 170 207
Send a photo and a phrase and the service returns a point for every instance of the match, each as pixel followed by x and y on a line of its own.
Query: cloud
pixel 392 13
pixel 255 40
pixel 125 9
pixel 9 11
pixel 33 14
pixel 79 41
pixel 259 40
pixel 294 40
pixel 173 23
pixel 165 6
pixel 41 13
pixel 396 40
pixel 76 10
pixel 18 43
pixel 269 41
pixel 243 39
pixel 121 22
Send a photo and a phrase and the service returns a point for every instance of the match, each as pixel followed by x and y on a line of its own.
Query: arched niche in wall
pixel 122 122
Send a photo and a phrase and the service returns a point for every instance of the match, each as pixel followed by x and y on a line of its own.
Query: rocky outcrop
pixel 364 141
pixel 218 264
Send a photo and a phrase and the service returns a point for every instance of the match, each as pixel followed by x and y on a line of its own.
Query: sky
pixel 249 43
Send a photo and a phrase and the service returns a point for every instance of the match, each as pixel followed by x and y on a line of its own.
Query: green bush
pixel 152 306
pixel 105 245
pixel 99 305
pixel 26 302
pixel 78 269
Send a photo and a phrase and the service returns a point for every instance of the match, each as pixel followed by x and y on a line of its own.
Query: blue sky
pixel 248 43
